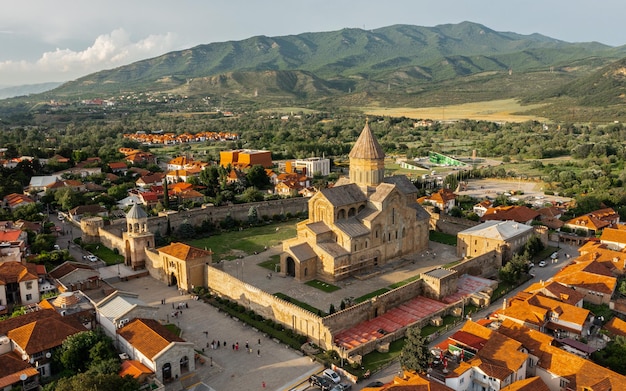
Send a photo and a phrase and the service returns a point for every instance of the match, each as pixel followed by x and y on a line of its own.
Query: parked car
pixel 375 384
pixel 319 381
pixel 542 264
pixel 342 387
pixel 332 375
pixel 92 258
pixel 57 247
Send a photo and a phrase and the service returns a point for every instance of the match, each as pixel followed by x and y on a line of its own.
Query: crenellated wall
pixel 270 306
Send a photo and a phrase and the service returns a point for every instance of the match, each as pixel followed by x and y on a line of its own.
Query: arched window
pixel 341 214
pixel 351 212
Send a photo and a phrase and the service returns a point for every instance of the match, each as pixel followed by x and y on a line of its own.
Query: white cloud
pixel 107 51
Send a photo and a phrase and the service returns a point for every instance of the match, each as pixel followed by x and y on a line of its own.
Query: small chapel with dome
pixel 363 222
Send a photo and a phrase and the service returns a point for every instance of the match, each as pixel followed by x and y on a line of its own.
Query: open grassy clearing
pixel 231 245
pixel 496 110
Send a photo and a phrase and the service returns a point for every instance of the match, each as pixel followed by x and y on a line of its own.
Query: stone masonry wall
pixel 485 265
pixel 270 306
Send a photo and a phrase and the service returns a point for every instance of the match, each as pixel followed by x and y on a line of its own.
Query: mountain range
pixel 392 65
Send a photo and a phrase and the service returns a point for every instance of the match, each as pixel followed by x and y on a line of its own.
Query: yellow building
pixel 359 224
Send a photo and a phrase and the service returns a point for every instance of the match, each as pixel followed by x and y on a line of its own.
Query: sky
pixel 53 41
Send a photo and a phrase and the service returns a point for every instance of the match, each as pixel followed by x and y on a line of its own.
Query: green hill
pixel 312 65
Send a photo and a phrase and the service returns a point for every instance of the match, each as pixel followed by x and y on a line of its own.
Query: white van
pixel 332 375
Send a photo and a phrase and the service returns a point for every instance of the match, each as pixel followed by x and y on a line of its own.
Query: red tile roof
pixel 148 336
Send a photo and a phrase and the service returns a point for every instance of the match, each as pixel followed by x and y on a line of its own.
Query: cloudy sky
pixel 43 40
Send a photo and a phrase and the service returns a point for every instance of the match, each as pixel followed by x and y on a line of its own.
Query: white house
pixel 164 353
pixel 120 308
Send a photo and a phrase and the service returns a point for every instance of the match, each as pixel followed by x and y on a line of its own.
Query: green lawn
pixel 440 237
pixel 300 304
pixel 323 286
pixel 430 329
pixel 404 282
pixel 371 294
pixel 248 241
pixel 375 360
pixel 271 263
pixel 106 254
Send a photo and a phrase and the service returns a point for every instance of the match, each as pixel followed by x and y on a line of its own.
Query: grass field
pixel 231 245
pixel 497 110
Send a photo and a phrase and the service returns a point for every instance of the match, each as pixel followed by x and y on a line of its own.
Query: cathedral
pixel 358 225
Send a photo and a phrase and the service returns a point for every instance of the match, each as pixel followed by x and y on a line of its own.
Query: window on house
pixel 564 383
pixel 29 285
pixel 29 297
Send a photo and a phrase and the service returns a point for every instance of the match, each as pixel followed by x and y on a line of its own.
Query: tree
pixel 257 177
pixel 251 194
pixel 97 381
pixel 415 355
pixel 253 215
pixel 166 196
pixel 76 351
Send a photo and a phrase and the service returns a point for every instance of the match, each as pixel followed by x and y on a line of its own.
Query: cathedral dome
pixel 367 147
pixel 136 212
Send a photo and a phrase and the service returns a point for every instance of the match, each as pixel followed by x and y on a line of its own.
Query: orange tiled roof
pixel 567 312
pixel 12 272
pixel 559 291
pixel 12 367
pixel 613 235
pixel 184 251
pixel 589 275
pixel 520 214
pixel 587 222
pixel 148 336
pixel 12 235
pixel 528 384
pixel 616 326
pixel 44 334
pixel 134 368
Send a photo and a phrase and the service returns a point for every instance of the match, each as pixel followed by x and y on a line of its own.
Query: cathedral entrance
pixel 291 267
pixel 173 280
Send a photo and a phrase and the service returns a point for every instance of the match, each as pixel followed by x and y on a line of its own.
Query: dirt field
pixel 491 188
pixel 497 110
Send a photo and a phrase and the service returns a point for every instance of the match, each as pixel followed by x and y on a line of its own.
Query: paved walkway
pixel 279 367
pixel 248 270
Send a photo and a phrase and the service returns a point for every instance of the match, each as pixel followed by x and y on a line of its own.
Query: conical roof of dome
pixel 367 147
pixel 136 212
pixel 66 298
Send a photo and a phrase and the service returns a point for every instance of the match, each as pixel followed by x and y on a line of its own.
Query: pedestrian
pixel 258 352
pixel 263 384
pixel 186 305
pixel 233 346
pixel 237 346
pixel 247 345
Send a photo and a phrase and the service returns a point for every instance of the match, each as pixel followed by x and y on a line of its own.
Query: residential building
pixel 309 166
pixel 594 222
pixel 119 308
pixel 14 201
pixel 444 200
pixel 165 354
pixel 19 284
pixel 481 208
pixel 246 158
pixel 36 335
pixel 504 237
pixel 519 214
pixel 545 314
pixel 590 278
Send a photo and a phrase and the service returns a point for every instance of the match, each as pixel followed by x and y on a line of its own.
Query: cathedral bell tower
pixel 137 237
pixel 367 160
